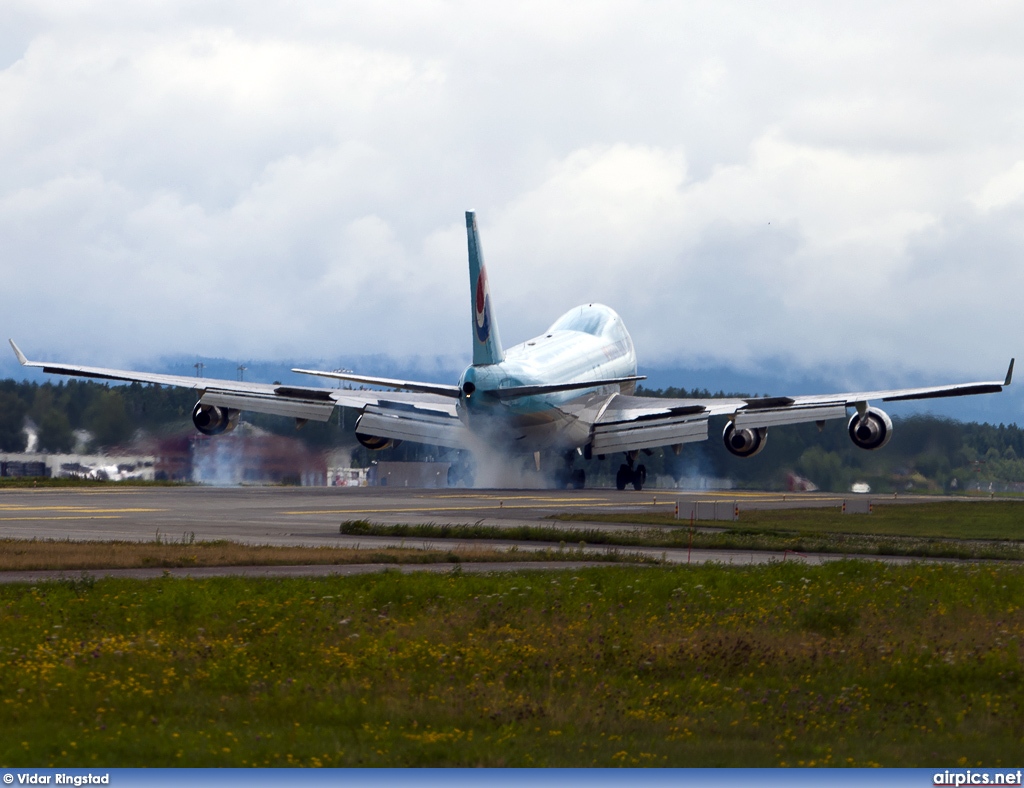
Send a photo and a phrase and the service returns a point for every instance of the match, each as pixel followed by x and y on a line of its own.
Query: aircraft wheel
pixel 579 479
pixel 459 473
pixel 623 477
pixel 639 477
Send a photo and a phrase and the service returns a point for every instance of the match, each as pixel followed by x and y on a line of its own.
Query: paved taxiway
pixel 311 516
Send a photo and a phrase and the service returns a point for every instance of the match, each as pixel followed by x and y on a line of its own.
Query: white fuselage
pixel 587 343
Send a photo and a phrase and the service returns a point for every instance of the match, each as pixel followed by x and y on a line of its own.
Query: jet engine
pixel 376 443
pixel 871 429
pixel 212 420
pixel 744 442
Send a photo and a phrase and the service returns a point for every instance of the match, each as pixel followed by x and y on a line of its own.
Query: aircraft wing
pixel 629 423
pixel 299 402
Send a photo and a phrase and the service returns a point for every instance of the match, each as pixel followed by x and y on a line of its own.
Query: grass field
pixel 952 529
pixel 852 663
pixel 946 519
pixel 44 554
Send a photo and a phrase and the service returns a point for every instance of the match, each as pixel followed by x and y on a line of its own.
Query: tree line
pixel 113 416
pixel 925 451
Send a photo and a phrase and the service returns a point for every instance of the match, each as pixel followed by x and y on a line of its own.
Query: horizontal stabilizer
pixel 390 383
pixel 514 392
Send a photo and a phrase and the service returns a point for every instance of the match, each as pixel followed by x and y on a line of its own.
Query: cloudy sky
pixel 829 184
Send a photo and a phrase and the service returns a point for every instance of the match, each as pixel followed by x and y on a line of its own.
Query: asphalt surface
pixel 311 516
pixel 310 513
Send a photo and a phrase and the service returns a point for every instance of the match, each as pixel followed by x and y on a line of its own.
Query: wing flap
pixel 647 433
pixel 793 414
pixel 413 424
pixel 277 405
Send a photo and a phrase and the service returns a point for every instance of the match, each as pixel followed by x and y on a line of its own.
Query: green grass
pixel 811 531
pixel 852 663
pixel 948 519
pixel 45 554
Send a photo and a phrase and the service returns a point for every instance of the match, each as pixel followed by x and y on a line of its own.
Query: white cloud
pixel 1002 189
pixel 826 183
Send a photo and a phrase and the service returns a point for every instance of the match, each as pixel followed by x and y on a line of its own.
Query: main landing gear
pixel 573 478
pixel 629 475
pixel 460 471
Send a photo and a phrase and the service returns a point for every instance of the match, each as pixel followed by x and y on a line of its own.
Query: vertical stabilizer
pixel 486 342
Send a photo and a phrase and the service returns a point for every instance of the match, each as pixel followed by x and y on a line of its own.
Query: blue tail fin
pixel 486 342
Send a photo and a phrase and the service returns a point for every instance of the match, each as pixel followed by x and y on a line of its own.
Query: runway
pixel 310 516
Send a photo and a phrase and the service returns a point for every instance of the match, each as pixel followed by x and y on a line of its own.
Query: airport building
pixel 245 456
pixel 81 466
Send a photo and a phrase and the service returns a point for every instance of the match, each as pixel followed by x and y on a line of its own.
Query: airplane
pixel 569 391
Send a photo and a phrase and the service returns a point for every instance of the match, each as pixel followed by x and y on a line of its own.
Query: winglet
pixel 1009 374
pixel 17 351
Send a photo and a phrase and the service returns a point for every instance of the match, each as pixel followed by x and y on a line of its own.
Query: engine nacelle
pixel 375 442
pixel 212 420
pixel 744 442
pixel 871 430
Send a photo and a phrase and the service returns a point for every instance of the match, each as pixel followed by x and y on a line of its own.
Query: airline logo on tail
pixel 486 342
pixel 482 307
